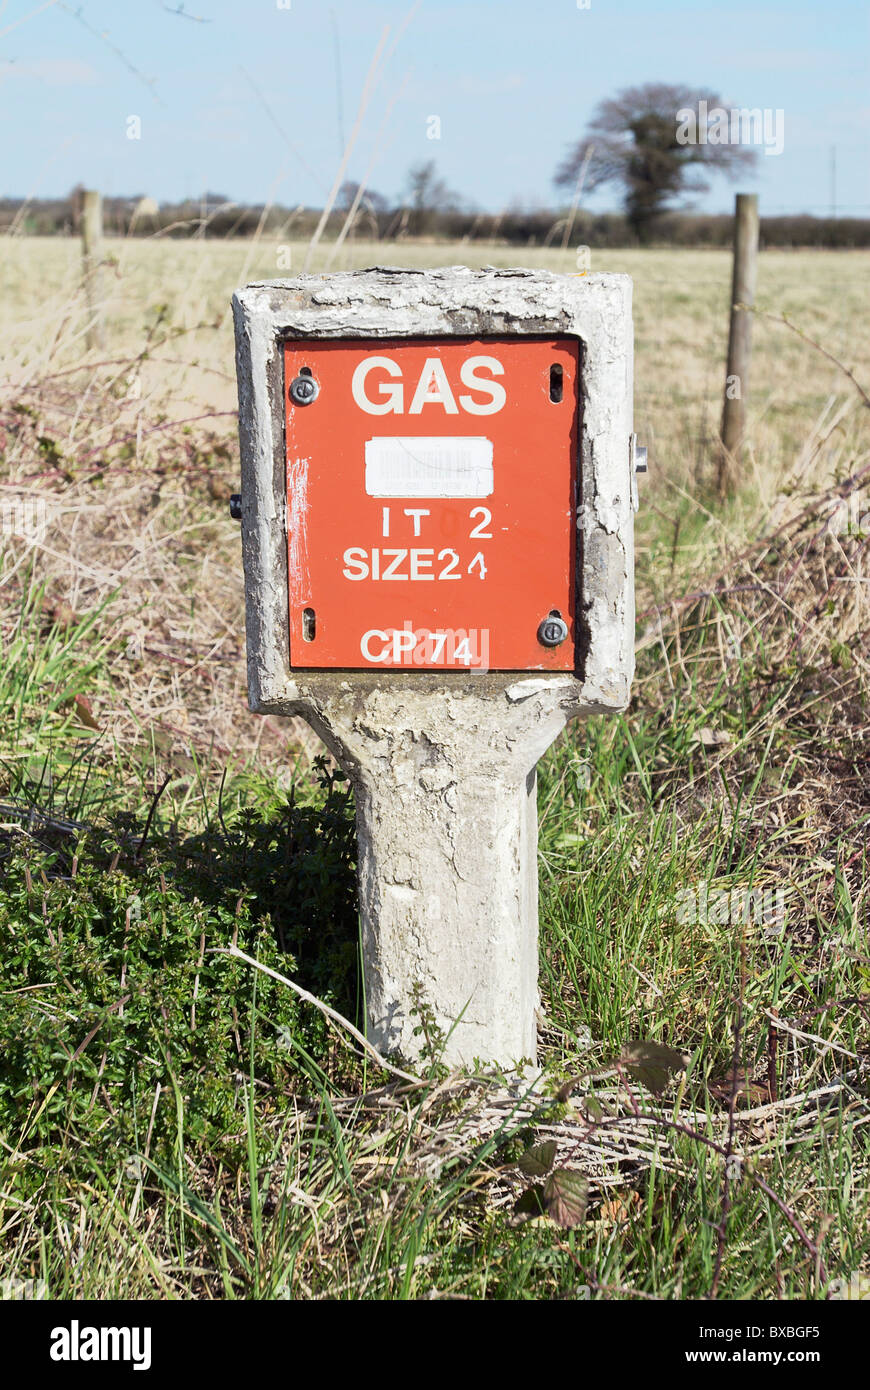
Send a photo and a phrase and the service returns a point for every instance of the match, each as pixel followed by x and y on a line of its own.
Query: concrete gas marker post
pixel 437 496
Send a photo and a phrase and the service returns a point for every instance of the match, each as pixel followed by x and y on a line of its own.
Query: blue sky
pixel 247 103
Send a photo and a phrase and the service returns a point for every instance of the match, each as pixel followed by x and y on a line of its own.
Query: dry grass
pixel 137 497
pixel 789 615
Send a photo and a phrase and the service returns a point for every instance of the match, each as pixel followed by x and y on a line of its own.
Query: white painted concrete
pixel 443 764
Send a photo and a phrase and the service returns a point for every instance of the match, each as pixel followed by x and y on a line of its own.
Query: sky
pixel 256 99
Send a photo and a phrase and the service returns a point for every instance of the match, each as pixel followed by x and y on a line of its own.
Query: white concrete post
pixel 447 829
pixel 443 762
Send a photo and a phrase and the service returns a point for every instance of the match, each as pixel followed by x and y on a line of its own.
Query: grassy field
pixel 680 301
pixel 176 1123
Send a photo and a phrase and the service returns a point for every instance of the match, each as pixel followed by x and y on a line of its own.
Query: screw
pixel 236 506
pixel 552 631
pixel 304 390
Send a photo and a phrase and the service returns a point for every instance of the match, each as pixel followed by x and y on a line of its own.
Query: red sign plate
pixel 431 502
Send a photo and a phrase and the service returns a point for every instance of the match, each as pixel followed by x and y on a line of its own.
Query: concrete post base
pixel 444 774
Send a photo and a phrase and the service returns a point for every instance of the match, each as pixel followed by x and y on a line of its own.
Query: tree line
pixel 222 218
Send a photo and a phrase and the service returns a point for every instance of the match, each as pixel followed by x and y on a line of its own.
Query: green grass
pixel 213 1137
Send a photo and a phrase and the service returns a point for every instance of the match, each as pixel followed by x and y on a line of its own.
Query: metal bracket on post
pixel 637 463
pixel 436 466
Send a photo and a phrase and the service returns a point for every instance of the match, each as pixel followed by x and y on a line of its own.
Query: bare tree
pixel 347 195
pixel 428 195
pixel 637 142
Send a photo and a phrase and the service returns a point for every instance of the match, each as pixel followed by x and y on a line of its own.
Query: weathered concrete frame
pixel 443 763
pixel 436 303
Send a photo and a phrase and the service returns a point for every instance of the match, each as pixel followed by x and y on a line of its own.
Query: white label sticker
pixel 416 466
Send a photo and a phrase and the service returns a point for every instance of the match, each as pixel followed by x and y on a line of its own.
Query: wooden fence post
pixel 92 254
pixel 739 342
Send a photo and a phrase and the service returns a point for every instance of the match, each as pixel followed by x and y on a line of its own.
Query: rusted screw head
pixel 552 631
pixel 304 390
